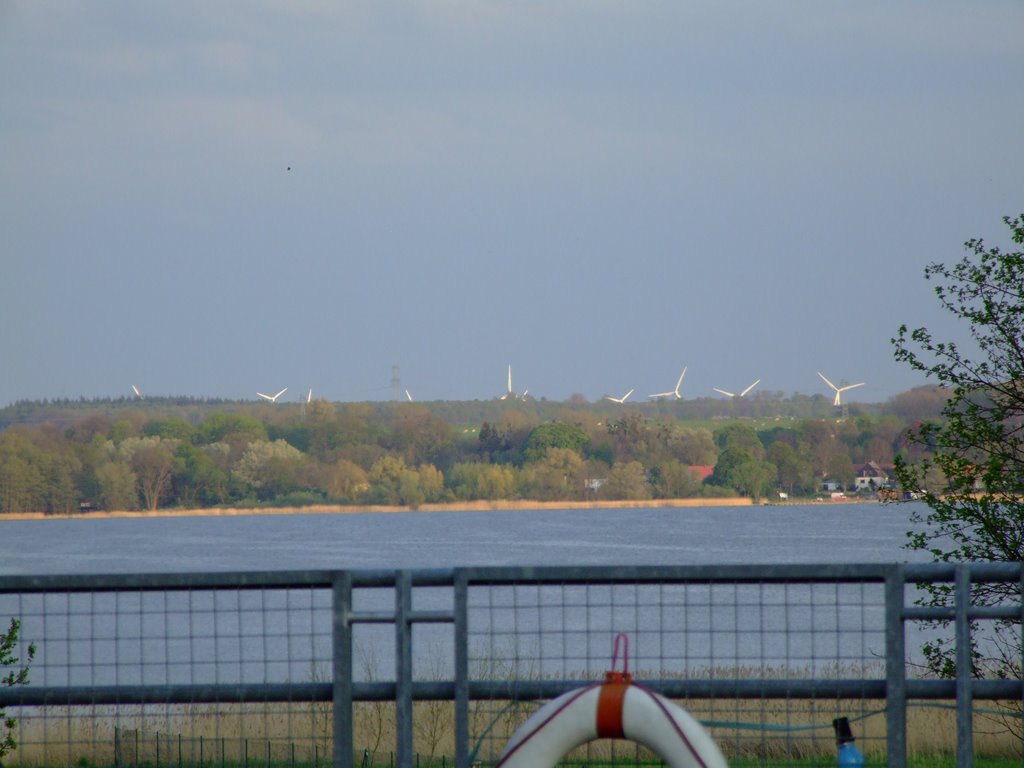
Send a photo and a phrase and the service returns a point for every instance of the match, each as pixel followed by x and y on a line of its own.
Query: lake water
pixel 813 533
pixel 204 636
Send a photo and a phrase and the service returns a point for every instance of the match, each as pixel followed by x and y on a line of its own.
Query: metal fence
pixel 441 667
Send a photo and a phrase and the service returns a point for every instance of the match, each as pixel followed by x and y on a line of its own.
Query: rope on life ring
pixel 618 708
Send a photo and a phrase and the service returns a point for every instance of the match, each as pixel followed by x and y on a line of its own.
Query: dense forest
pixel 64 456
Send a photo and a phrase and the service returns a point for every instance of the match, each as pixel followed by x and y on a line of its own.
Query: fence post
pixel 460 600
pixel 964 668
pixel 341 673
pixel 895 670
pixel 403 667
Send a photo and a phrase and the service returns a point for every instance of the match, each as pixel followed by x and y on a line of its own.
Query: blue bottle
pixel 848 754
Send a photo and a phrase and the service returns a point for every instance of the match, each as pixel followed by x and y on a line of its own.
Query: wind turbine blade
pixel 744 392
pixel 680 382
pixel 723 392
pixel 408 396
pixel 136 391
pixel 851 386
pixel 309 397
pixel 627 395
pixel 675 392
pixel 510 379
pixel 265 397
pixel 839 393
pixel 827 381
pixel 280 393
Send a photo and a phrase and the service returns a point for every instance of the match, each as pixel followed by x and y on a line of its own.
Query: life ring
pixel 617 708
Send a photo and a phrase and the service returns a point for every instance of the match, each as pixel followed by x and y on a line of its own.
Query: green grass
pixel 388 761
pixel 916 762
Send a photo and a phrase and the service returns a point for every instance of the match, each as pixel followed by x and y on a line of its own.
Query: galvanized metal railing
pixel 531 610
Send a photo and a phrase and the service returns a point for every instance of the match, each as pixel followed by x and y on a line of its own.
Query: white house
pixel 870 477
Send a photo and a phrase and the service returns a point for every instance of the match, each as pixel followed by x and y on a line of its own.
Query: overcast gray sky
pixel 597 193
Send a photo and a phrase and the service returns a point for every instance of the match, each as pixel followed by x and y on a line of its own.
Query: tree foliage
pixel 739 468
pixel 671 479
pixel 553 435
pixel 161 455
pixel 18 675
pixel 627 481
pixel 792 471
pixel 478 480
pixel 971 471
pixel 152 461
pixel 270 468
pixel 558 477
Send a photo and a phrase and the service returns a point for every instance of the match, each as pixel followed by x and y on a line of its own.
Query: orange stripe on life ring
pixel 609 705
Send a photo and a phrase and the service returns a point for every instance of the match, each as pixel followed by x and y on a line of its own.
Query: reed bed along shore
pixel 793 732
pixel 337 509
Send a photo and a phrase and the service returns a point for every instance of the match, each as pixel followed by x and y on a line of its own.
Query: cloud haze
pixel 598 193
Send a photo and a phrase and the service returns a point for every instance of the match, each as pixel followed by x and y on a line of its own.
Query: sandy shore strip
pixel 326 509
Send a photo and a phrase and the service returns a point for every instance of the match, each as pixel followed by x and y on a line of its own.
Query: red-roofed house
pixel 703 471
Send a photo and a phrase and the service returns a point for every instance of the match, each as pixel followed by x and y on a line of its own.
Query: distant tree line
pixel 916 404
pixel 196 454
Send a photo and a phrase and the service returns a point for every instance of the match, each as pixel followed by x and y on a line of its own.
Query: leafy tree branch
pixel 16 676
pixel 971 476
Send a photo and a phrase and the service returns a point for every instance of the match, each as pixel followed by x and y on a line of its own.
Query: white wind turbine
pixel 273 398
pixel 309 396
pixel 733 394
pixel 510 393
pixel 839 390
pixel 136 391
pixel 675 392
pixel 619 400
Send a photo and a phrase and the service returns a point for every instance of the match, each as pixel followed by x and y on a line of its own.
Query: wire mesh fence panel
pixel 683 638
pixel 976 640
pixel 295 669
pixel 153 735
pixel 111 649
pixel 175 636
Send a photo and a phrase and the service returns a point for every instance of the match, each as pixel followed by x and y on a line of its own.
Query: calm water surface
pixel 201 636
pixel 813 533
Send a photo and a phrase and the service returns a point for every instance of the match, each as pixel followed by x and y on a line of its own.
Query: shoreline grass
pixel 795 732
pixel 463 506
